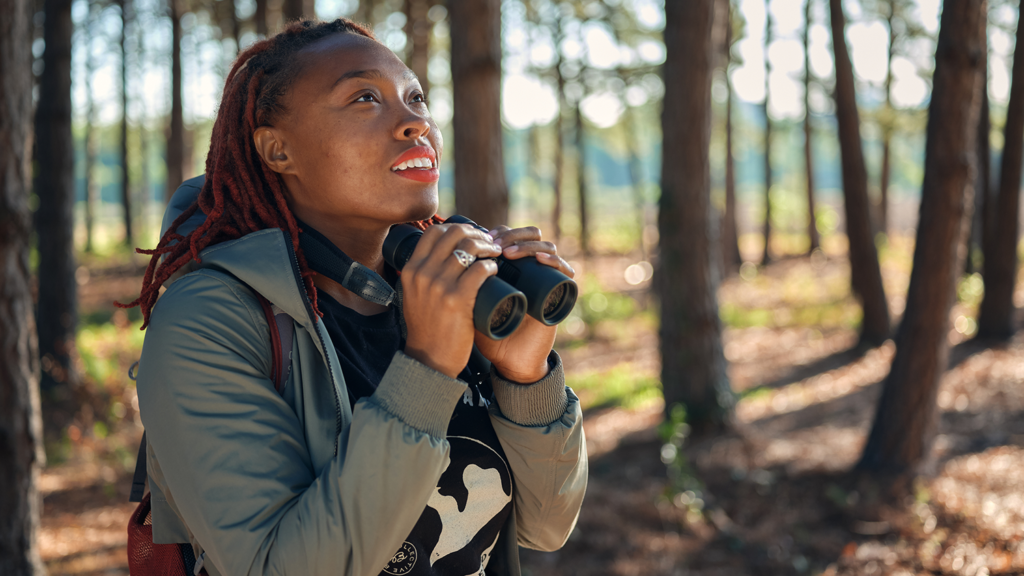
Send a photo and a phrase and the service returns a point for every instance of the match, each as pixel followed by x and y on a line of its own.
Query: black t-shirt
pixel 459 527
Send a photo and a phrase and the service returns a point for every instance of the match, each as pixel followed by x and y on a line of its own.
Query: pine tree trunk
pixel 982 189
pixel 906 419
pixel 693 363
pixel 556 212
pixel 260 16
pixel 481 192
pixel 883 183
pixel 293 10
pixel 812 225
pixel 731 258
pixel 766 257
pixel 91 189
pixel 865 275
pixel 21 443
pixel 995 318
pixel 236 25
pixel 176 132
pixel 581 181
pixel 417 31
pixel 126 196
pixel 54 220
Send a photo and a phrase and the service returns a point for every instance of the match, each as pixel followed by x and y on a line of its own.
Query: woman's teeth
pixel 414 163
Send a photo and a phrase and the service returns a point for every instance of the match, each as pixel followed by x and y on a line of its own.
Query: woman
pixel 375 458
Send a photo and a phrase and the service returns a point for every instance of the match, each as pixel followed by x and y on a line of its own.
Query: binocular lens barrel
pixel 550 295
pixel 499 307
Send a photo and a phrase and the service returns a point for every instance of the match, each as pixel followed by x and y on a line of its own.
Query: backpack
pixel 146 558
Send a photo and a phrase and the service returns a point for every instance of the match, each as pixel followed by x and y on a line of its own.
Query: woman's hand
pixel 438 295
pixel 523 356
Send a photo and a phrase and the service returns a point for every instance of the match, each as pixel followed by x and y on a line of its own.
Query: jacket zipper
pixel 316 329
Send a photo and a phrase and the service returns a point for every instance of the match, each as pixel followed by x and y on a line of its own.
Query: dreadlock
pixel 242 194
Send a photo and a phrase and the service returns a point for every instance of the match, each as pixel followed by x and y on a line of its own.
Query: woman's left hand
pixel 523 356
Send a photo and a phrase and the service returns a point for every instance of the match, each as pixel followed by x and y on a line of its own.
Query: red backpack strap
pixel 281 329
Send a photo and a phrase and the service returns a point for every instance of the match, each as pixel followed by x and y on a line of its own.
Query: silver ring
pixel 464 258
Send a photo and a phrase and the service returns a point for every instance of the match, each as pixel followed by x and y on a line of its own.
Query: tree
pixel 126 6
pixel 481 192
pixel 54 220
pixel 417 31
pixel 766 257
pixel 865 275
pixel 731 258
pixel 905 421
pixel 581 176
pixel 693 369
pixel 20 423
pixel 260 16
pixel 176 130
pixel 296 9
pixel 995 317
pixel 91 187
pixel 812 227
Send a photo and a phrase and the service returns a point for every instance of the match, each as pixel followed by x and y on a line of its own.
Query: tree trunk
pixel 731 258
pixel 364 13
pixel 982 190
pixel 54 220
pixel 865 276
pixel 693 363
pixel 995 318
pixel 766 257
pixel 481 192
pixel 126 196
pixel 91 189
pixel 236 25
pixel 417 33
pixel 883 182
pixel 293 10
pixel 812 225
pixel 581 181
pixel 260 16
pixel 556 215
pixel 176 132
pixel 905 422
pixel 636 175
pixel 20 424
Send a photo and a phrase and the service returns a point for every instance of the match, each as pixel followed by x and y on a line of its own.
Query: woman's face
pixel 356 145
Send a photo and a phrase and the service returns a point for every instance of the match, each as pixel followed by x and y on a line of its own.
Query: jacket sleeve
pixel 540 427
pixel 233 453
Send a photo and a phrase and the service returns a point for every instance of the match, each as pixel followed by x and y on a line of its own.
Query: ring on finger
pixel 464 258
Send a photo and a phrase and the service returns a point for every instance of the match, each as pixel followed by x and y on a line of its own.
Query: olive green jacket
pixel 299 483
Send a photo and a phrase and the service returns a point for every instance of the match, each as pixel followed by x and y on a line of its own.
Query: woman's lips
pixel 419 174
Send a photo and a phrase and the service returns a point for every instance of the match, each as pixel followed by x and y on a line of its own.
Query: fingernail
pixel 544 255
pixel 493 233
pixel 511 249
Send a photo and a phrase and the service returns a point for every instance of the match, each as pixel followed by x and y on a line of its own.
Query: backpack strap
pixel 139 478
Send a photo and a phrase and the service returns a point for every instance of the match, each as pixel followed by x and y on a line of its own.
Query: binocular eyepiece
pixel 521 287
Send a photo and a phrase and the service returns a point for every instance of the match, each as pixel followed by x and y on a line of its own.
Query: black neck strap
pixel 327 259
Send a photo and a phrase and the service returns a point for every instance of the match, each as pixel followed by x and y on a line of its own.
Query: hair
pixel 242 194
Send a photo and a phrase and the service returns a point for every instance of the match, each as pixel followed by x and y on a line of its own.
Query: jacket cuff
pixel 419 395
pixel 537 404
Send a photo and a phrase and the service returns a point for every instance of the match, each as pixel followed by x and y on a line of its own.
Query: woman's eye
pixel 366 98
pixel 419 98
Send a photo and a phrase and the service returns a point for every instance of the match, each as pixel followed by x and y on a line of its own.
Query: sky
pixel 528 99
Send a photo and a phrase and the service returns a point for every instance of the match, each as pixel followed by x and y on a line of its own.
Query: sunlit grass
pixel 620 386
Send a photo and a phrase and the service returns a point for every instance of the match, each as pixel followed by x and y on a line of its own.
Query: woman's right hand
pixel 438 295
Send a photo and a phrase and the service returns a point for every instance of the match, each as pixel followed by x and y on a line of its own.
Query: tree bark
pixel 54 220
pixel 766 257
pixel 417 33
pixel 481 192
pixel 126 197
pixel 260 16
pixel 980 221
pixel 731 258
pixel 556 211
pixel 812 225
pixel 20 423
pixel 91 189
pixel 995 318
pixel 693 363
pixel 905 421
pixel 883 182
pixel 581 180
pixel 293 10
pixel 865 275
pixel 364 13
pixel 176 131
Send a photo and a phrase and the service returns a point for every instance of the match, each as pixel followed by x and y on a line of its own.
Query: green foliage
pixel 684 489
pixel 620 386
pixel 105 349
pixel 970 290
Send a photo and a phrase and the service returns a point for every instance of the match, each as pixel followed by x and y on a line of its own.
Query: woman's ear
pixel 272 150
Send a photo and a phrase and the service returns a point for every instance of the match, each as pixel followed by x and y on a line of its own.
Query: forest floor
pixel 773 496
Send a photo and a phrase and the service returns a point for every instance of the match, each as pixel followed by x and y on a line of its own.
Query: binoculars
pixel 521 287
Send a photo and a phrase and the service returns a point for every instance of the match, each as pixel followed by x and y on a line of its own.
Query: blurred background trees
pixel 674 150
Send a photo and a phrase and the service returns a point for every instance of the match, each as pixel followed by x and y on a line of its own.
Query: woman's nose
pixel 412 126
